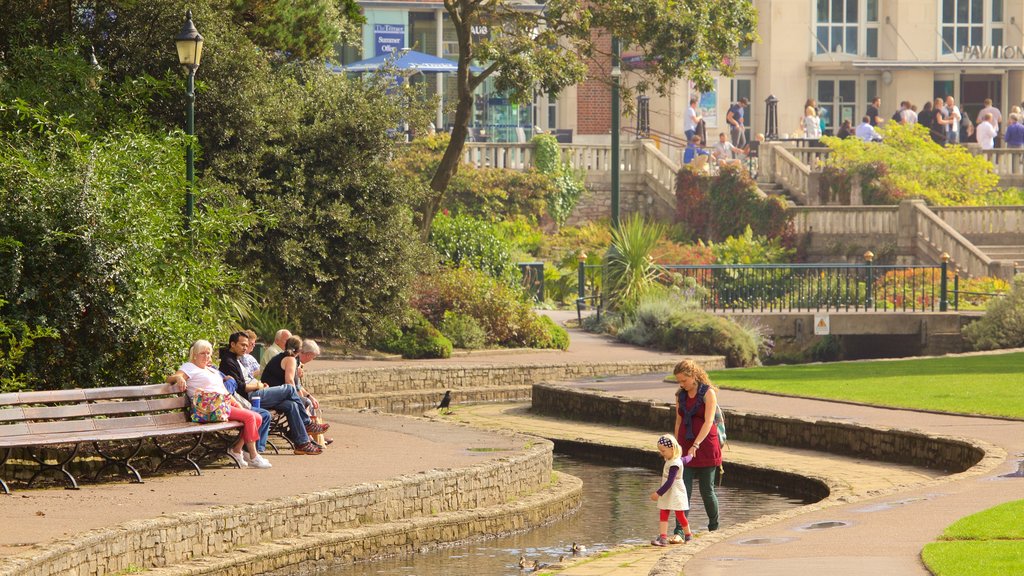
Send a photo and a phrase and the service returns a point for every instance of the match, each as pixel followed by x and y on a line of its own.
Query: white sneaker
pixel 238 458
pixel 260 462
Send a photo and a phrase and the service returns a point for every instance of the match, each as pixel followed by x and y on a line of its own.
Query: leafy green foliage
pixel 671 323
pixel 714 208
pixel 568 183
pixel 490 192
pixel 500 309
pixel 16 338
pixel 95 249
pixel 631 270
pixel 464 240
pixel 1003 323
pixel 908 164
pixel 415 337
pixel 463 330
pixel 338 251
pixel 749 249
pixel 549 49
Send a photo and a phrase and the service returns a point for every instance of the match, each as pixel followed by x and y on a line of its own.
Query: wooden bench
pixel 63 420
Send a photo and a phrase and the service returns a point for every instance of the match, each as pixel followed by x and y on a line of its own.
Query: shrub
pixel 416 338
pixel 568 183
pixel 686 330
pixel 975 293
pixel 15 339
pixel 1002 326
pixel 464 240
pixel 550 334
pixel 908 164
pixel 629 265
pixel 463 330
pixel 500 309
pixel 746 248
pixel 491 193
pixel 721 206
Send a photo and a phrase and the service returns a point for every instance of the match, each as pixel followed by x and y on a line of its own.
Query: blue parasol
pixel 406 60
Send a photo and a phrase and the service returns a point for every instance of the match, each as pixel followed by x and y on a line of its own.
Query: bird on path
pixel 446 402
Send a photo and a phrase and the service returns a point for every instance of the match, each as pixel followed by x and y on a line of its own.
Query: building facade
pixel 842 53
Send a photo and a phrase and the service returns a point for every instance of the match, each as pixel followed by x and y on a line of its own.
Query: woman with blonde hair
pixel 812 124
pixel 205 388
pixel 696 404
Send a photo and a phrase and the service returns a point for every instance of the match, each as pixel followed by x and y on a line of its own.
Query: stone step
pixel 419 401
pixel 1000 252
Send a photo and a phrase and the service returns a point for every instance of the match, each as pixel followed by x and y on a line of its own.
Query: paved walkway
pixel 885 534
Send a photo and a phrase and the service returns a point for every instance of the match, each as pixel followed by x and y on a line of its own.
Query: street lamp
pixel 189 43
pixel 616 74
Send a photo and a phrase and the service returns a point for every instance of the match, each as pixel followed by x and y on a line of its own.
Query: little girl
pixel 672 494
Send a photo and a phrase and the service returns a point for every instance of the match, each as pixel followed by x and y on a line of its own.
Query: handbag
pixel 318 438
pixel 210 407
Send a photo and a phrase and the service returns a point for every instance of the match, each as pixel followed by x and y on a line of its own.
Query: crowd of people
pixel 943 118
pixel 245 390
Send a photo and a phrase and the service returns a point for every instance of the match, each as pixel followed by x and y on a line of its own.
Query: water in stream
pixel 616 510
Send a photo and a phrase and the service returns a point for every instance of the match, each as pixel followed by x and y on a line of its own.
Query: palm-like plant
pixel 631 271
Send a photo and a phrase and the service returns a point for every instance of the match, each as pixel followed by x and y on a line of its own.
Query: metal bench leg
pixel 59 467
pixel 270 444
pixel 3 485
pixel 167 455
pixel 124 463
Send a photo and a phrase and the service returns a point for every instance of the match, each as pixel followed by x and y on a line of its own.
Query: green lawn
pixel 991 385
pixel 990 542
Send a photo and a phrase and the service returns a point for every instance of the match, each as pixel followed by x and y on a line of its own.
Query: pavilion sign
pixel 992 53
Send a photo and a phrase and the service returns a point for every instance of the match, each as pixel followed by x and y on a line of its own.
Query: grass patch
pixel 970 558
pixel 990 542
pixel 991 385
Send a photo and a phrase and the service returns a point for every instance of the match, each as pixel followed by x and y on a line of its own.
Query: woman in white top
pixel 812 124
pixel 199 375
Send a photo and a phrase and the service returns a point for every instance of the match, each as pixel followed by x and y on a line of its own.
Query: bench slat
pixel 181 427
pixel 85 394
pixel 93 409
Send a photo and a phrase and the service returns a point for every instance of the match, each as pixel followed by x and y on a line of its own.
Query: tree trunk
pixel 449 162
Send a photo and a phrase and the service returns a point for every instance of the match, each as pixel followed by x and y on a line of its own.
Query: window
pixel 971 23
pixel 847 27
pixel 844 99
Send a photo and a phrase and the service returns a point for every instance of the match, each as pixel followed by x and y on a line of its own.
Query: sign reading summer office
pixel 387 38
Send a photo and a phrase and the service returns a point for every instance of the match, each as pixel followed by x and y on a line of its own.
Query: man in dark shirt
pixel 238 343
pixel 735 119
pixel 872 114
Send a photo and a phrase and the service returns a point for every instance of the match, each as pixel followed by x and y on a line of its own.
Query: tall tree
pixel 528 46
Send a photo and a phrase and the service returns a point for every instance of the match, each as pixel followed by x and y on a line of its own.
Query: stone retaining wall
pixel 181 538
pixel 416 378
pixel 884 444
pixel 306 556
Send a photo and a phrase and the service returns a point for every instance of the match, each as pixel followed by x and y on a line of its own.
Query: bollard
pixel 581 289
pixel 869 301
pixel 943 283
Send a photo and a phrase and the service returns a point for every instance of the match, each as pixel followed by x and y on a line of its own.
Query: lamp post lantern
pixel 189 44
pixel 616 74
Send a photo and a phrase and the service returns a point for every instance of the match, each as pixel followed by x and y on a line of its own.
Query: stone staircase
pixel 1010 253
pixel 771 188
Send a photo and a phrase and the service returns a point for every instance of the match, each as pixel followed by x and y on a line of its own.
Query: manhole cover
pixel 761 541
pixel 825 524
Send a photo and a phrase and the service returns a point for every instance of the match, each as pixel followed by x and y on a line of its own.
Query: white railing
pixel 813 158
pixel 974 221
pixel 498 155
pixel 659 171
pixel 939 237
pixel 795 176
pixel 1006 161
pixel 877 221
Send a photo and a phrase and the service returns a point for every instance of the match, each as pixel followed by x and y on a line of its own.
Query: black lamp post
pixel 616 74
pixel 189 43
pixel 771 117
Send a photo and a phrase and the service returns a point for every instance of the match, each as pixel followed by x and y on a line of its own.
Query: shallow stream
pixel 616 510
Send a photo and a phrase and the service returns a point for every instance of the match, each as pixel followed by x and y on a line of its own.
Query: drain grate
pixel 824 525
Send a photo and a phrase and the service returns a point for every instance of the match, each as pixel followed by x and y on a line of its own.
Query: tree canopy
pixel 548 46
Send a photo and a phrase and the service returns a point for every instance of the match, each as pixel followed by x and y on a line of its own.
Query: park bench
pixel 64 420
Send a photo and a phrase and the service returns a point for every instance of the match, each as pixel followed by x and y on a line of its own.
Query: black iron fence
pixel 800 287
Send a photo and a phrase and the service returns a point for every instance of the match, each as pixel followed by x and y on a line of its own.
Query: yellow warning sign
pixel 821 325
